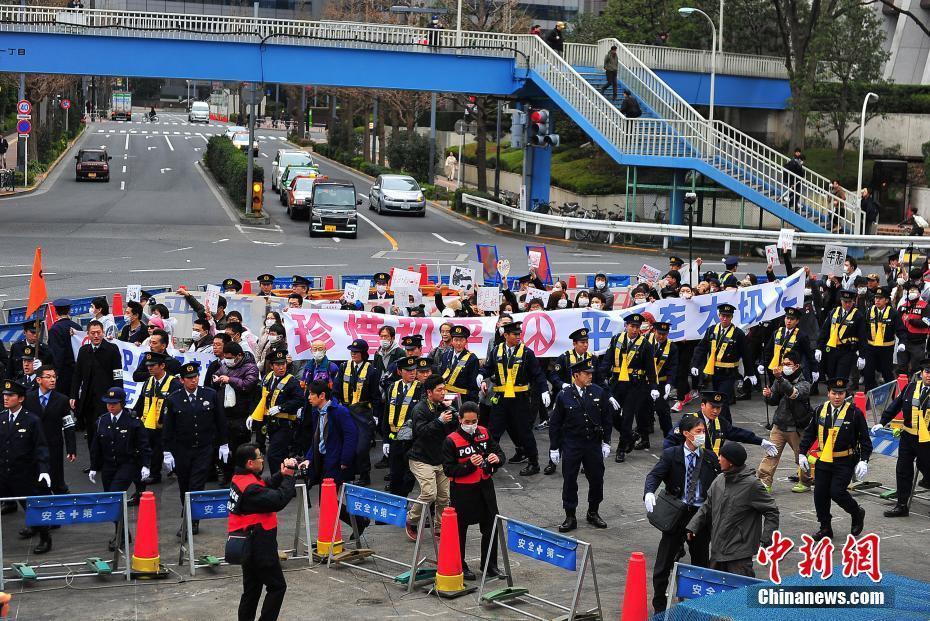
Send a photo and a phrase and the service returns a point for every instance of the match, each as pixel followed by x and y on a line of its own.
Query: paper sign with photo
pixel 532 293
pixel 461 278
pixel 533 258
pixel 786 239
pixel 350 293
pixel 833 259
pixel 406 297
pixel 212 298
pixel 134 293
pixel 488 298
pixel 647 273
pixel 503 267
pixel 404 279
pixel 771 255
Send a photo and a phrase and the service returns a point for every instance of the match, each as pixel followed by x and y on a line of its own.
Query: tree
pixel 896 9
pixel 409 151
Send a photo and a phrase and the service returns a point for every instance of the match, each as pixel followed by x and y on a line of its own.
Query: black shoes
pixel 364 480
pixel 468 574
pixel 549 469
pixel 381 465
pixel 824 532
pixel 569 524
pixel 27 533
pixel 44 545
pixel 529 470
pixel 643 444
pixel 899 510
pixel 518 458
pixel 494 572
pixel 595 520
pixel 858 522
pixel 620 457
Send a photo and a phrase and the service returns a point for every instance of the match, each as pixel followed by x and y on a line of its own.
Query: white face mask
pixel 597 306
pixel 687 295
pixel 788 370
pixel 913 295
pixel 385 343
pixel 562 303
pixel 269 323
pixel 861 290
pixel 600 284
pixel 381 288
pixel 470 428
pixel 319 355
pixel 900 281
pixel 808 293
pixel 274 338
pixel 582 302
pixel 639 299
pixel 699 440
pixel 556 287
pixel 197 335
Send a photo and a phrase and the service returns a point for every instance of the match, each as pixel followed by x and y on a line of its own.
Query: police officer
pixel 914 404
pixel 400 399
pixel 512 368
pixel 300 285
pixel 30 339
pixel 728 276
pixel 23 456
pixel 630 370
pixel 281 400
pixel 579 434
pixel 842 337
pixel 119 449
pixel 381 286
pixel 789 338
pixel 149 407
pixel 718 355
pixel 665 354
pixel 265 285
pixel 719 429
pixel 459 367
pixel 194 424
pixel 560 374
pixel 231 285
pixel 358 388
pixel 885 326
pixel 843 437
pixel 26 374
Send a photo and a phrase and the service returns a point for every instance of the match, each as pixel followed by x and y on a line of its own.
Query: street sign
pixel 461 127
pixel 24 107
pixel 23 116
pixel 65 104
pixel 23 126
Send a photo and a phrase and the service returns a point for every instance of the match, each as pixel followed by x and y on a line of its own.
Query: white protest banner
pixel 533 293
pixel 404 279
pixel 134 293
pixel 647 273
pixel 461 278
pixel 350 293
pixel 833 259
pixel 771 255
pixel 131 356
pixel 212 298
pixel 785 239
pixel 546 333
pixel 489 298
pixel 533 257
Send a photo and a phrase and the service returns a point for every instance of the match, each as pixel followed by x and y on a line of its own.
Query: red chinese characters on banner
pixel 818 556
pixel 311 328
pixel 861 557
pixel 408 326
pixel 773 554
pixel 474 326
pixel 364 326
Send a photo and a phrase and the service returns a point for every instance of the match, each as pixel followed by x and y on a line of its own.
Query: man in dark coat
pixel 99 367
pixel 555 39
pixel 58 423
pixel 30 340
pixel 59 342
pixel 327 436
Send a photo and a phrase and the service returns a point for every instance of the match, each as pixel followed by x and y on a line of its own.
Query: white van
pixel 199 112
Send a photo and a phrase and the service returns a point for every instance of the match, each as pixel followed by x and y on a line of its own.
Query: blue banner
pixel 542 545
pixel 380 506
pixel 884 442
pixel 210 504
pixel 694 582
pixel 73 509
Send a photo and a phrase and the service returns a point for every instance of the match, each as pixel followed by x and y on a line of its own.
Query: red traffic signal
pixel 539 116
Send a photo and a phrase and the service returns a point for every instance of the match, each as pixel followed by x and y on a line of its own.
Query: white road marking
pixel 20 275
pixel 145 131
pixel 204 137
pixel 187 133
pixel 163 170
pixel 264 243
pixel 233 217
pixel 122 185
pixel 177 133
pixel 448 241
pixel 225 239
pixel 337 240
pixel 263 154
pixel 100 131
pixel 171 269
pixel 126 146
pixel 150 148
pixel 379 229
pixel 289 266
pixel 178 249
pixel 275 228
pixel 170 146
pixel 124 168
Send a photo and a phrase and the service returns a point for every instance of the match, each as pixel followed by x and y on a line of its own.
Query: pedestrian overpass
pixel 671 134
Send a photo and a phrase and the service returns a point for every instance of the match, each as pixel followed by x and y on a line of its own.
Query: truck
pixel 121 106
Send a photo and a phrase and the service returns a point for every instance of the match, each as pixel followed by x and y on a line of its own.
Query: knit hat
pixel 734 452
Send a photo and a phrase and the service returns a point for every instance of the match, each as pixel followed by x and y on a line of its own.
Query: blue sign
pixel 10 333
pixel 209 504
pixel 878 399
pixel 542 545
pixel 694 582
pixel 380 506
pixel 73 509
pixel 884 442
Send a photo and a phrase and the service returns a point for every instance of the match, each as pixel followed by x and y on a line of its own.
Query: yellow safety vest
pixel 878 321
pixel 397 415
pixel 827 440
pixel 839 326
pixel 265 402
pixel 920 418
pixel 716 437
pixel 153 400
pixel 719 341
pixel 661 356
pixel 450 375
pixel 624 352
pixel 348 378
pixel 508 377
pixel 781 343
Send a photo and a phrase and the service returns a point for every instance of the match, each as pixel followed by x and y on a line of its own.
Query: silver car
pixel 397 194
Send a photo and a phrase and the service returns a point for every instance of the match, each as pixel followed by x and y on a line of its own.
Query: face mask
pixel 319 355
pixel 470 428
pixel 597 306
pixel 788 370
pixel 686 295
pixel 639 300
pixel 861 290
pixel 557 287
pixel 808 293
pixel 500 330
pixel 600 284
pixel 900 281
pixel 381 288
pixel 913 295
pixel 582 302
pixel 699 439
pixel 197 335
pixel 269 323
pixel 274 338
pixel 385 343
pixel 235 362
pixel 562 303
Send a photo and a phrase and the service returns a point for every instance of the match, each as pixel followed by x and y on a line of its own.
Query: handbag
pixel 238 547
pixel 229 397
pixel 667 512
pixel 405 432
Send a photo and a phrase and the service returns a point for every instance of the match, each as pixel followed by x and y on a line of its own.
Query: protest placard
pixel 488 298
pixel 134 293
pixel 833 259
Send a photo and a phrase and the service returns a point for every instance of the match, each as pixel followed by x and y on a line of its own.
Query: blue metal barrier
pixel 542 545
pixel 209 504
pixel 377 506
pixel 691 582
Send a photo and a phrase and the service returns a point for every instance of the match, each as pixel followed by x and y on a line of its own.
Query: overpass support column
pixel 676 200
pixel 540 177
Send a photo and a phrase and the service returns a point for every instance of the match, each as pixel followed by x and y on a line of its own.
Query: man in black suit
pixel 26 374
pixel 687 472
pixel 30 339
pixel 57 423
pixel 59 343
pixel 99 367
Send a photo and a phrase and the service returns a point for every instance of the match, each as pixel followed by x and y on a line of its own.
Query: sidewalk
pixel 13 139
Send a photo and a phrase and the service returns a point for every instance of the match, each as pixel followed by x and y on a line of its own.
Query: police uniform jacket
pixel 718 430
pixel 904 404
pixel 853 433
pixel 168 385
pixel 59 343
pixel 23 449
pixel 289 399
pixel 560 372
pixel 346 386
pixel 853 332
pixel 472 502
pixel 120 443
pixel 731 347
pixel 16 356
pixel 666 360
pixel 29 381
pixel 193 423
pixel 642 366
pixel 530 372
pixel 399 417
pixel 580 418
pixel 461 381
pixel 785 340
pixel 95 373
pixel 172 367
pixel 52 417
pixel 429 432
pixel 671 470
pixel 883 326
pixel 340 439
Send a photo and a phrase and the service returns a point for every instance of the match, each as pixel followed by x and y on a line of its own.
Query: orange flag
pixel 37 292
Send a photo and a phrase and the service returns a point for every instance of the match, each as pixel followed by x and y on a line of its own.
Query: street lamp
pixel 690 199
pixel 687 12
pixel 865 104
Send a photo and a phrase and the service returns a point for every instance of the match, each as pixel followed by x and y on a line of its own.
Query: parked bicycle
pixel 8 179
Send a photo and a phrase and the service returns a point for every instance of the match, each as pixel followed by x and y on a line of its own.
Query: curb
pixel 227 202
pixel 40 179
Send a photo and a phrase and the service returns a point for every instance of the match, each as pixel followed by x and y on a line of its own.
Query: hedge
pixel 230 167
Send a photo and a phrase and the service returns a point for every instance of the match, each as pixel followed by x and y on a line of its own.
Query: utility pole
pixel 497 162
pixel 431 175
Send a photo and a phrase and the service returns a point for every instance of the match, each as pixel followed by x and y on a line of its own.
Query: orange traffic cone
pixel 5 605
pixel 634 594
pixel 325 539
pixel 246 287
pixel 117 306
pixel 145 558
pixel 424 274
pixel 329 283
pixel 572 281
pixel 450 581
pixel 859 401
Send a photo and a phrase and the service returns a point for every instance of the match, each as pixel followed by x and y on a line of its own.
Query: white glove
pixel 614 403
pixel 145 473
pixel 248 423
pixel 564 386
pixel 769 447
pixel 274 410
pixel 876 427
pixel 92 475
pixel 386 449
pixel 555 457
pixel 862 470
pixel 168 461
pixel 479 380
pixel 46 479
pixel 817 355
pixel 650 502
pixel 695 372
pixel 752 379
pixel 668 391
pixel 900 347
pixel 605 450
pixel 654 394
pixel 860 363
pixel 815 376
pixel 546 399
pixel 803 463
pixel 224 453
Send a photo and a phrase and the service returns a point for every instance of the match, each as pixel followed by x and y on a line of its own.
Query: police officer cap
pixel 872 277
pixel 152 357
pixel 726 309
pixel 583 366
pixel 635 319
pixel 845 294
pixel 838 384
pixel 266 279
pixel 924 364
pixel 359 345
pixel 713 397
pixel 460 331
pixel 190 370
pixel 299 280
pixel 581 334
pixel 409 342
pixel 677 262
pixel 894 254
pixel 513 328
pixel 731 261
pixel 62 303
pixel 424 364
pixel 792 313
pixel 382 277
pixel 232 283
pixel 115 395
pixel 407 364
pixel 661 326
pixel 278 355
pixel 734 453
pixel 29 352
pixel 29 326
pixel 912 285
pixel 12 387
pixel 883 292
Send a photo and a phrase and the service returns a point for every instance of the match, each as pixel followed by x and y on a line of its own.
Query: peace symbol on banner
pixel 538 333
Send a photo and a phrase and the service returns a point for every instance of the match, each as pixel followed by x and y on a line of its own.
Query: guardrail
pixel 519 218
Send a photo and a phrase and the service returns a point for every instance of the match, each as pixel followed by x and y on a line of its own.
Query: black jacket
pixel 554 39
pixel 671 471
pixel 853 434
pixel 95 373
pixel 193 424
pixel 272 497
pixel 52 418
pixel 172 367
pixel 119 444
pixel 23 449
pixel 16 357
pixel 429 432
pixel 576 420
pixel 727 432
pixel 59 342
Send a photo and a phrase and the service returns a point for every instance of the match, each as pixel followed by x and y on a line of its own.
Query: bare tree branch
pixel 890 4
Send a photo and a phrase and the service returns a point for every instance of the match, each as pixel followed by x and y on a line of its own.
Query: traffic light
pixel 471 110
pixel 517 129
pixel 540 128
pixel 257 191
